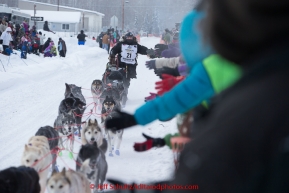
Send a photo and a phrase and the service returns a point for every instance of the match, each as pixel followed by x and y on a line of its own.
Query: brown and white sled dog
pixel 37 155
pixel 68 182
pixel 108 111
pixel 92 133
pixel 97 89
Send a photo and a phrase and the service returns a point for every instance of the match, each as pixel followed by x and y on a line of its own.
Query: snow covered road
pixel 30 96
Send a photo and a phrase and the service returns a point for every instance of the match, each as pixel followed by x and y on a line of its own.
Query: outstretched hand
pixel 151 97
pixel 167 83
pixel 151 64
pixel 166 70
pixel 120 120
pixel 149 143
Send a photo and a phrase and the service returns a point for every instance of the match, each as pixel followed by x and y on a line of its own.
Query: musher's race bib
pixel 128 53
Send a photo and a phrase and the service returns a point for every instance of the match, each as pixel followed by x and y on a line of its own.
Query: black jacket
pixel 99 38
pixel 46 44
pixel 131 69
pixel 243 145
pixel 81 37
pixel 45 27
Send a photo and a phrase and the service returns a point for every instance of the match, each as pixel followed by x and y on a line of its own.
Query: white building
pixel 91 21
pixel 58 21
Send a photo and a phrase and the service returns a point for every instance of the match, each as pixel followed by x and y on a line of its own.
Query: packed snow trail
pixel 30 95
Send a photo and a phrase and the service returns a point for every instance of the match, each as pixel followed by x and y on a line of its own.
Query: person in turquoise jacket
pixel 197 87
pixel 222 74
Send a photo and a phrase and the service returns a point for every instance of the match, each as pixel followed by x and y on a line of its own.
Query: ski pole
pixel 23 61
pixel 33 60
pixel 9 62
pixel 2 65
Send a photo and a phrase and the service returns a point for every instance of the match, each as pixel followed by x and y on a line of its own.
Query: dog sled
pixel 114 82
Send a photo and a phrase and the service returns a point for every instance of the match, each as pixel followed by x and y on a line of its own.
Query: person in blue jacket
pixel 196 88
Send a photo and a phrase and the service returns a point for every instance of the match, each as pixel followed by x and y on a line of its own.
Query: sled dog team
pixel 41 150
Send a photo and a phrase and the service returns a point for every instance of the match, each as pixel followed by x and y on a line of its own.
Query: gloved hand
pixel 120 120
pixel 151 64
pixel 151 53
pixel 166 70
pixel 149 143
pixel 151 97
pixel 167 83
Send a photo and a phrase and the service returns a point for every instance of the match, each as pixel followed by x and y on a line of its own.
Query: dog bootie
pixel 110 154
pixel 117 152
pixel 70 155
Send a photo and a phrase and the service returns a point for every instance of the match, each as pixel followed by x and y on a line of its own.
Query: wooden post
pixel 34 14
pixel 122 15
pixel 83 21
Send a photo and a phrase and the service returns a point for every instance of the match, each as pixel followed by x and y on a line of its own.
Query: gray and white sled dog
pixel 92 133
pixel 97 89
pixel 68 182
pixel 78 108
pixel 65 125
pixel 108 111
pixel 37 155
pixel 91 161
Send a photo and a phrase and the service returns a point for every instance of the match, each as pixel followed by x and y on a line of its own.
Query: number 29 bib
pixel 128 53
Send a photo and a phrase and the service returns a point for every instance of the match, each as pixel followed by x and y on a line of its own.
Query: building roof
pixel 56 16
pixel 66 7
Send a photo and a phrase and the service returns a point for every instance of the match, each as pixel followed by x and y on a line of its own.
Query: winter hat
pixel 8 29
pixel 129 34
pixel 191 42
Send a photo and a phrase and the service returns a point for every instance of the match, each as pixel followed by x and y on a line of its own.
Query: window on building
pixel 65 26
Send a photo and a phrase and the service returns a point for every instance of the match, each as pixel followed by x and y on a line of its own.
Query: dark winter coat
pixel 81 36
pixel 21 33
pixel 242 144
pixel 99 38
pixel 45 26
pixel 63 45
pixel 131 69
pixel 46 44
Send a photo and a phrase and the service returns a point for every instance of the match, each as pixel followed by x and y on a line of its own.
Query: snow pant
pixel 81 42
pixel 24 53
pixel 35 51
pixel 62 53
pixel 4 49
pixel 41 49
pixel 105 46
